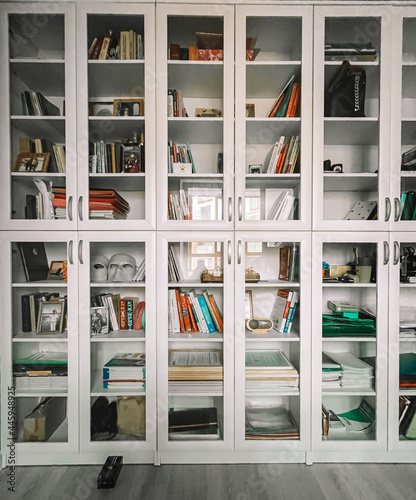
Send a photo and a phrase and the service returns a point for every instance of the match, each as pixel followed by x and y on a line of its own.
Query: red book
pixel 191 315
pixel 178 302
pixel 292 101
pixel 97 47
pixel 216 312
pixel 281 159
pixel 123 314
pixel 185 313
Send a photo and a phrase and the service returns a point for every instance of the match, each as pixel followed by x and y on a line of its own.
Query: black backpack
pixel 103 419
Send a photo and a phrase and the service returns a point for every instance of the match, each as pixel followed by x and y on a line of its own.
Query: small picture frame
pixel 51 317
pixel 128 107
pixel 132 158
pixel 32 162
pixel 99 320
pixel 255 169
pixel 57 270
pixel 250 111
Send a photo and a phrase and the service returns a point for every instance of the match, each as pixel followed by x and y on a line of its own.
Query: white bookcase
pixel 283 37
pixel 206 84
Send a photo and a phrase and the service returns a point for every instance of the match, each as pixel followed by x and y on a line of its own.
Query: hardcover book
pixel 35 262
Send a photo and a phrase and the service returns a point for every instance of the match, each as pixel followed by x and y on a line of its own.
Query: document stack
pixel 125 371
pixel 356 373
pixel 270 422
pixel 270 371
pixel 331 373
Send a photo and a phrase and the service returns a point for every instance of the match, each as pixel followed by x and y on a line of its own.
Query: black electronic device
pixel 408 267
pixel 329 167
pixel 110 472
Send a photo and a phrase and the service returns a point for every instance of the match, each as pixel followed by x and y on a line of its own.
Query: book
pixel 280 97
pixel 281 308
pixel 35 261
pixel 195 419
pixel 284 262
pixel 339 306
pixel 185 312
pixel 207 316
pixel 195 364
pixel 291 312
pixel 174 325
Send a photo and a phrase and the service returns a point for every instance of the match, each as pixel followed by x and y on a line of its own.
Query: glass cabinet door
pixel 351 119
pixel 273 148
pixel 349 307
pixel 195 345
pixel 272 318
pixel 40 344
pixel 38 132
pixel 118 344
pixel 195 110
pixel 116 117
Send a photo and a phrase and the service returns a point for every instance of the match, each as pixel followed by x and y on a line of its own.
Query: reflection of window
pixel 206 203
pixel 210 252
pixel 252 200
pixel 253 248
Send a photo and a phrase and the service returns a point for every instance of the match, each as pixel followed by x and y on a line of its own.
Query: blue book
pixel 207 315
pixel 291 313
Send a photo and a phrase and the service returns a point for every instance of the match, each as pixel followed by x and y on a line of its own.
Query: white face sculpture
pixel 99 268
pixel 122 267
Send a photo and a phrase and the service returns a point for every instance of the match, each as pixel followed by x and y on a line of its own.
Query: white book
pixel 274 211
pixel 287 207
pixel 202 323
pixel 173 311
pixel 275 155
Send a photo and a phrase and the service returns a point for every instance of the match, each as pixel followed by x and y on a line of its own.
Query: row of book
pixel 180 158
pixel 41 370
pixel 57 156
pixel 284 205
pixel 117 157
pixel 175 103
pixel 190 312
pixel 129 45
pixel 343 369
pixel 125 370
pixel 124 313
pixel 30 303
pixel 179 205
pixel 269 371
pixel 288 263
pixel 284 309
pixel 36 104
pixel 286 104
pixel 358 420
pixel 174 265
pixel 283 156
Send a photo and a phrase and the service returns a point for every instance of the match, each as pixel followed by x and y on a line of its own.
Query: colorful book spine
pixel 123 314
pixel 185 313
pixel 207 315
pixel 179 306
pixel 130 314
pixel 291 312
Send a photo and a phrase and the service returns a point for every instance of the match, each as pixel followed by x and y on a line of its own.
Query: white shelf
pixel 34 337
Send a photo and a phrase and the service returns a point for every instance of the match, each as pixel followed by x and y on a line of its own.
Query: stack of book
pixel 350 51
pixel 270 371
pixel 129 45
pixel 407 416
pixel 270 422
pixel 124 313
pixel 198 370
pixel 117 157
pixel 190 312
pixel 356 373
pixel 284 308
pixel 283 156
pixel 407 370
pixel 36 104
pixel 348 319
pixel 57 158
pixel 107 204
pixel 175 104
pixel 125 371
pixel 280 204
pixel 180 158
pixel 288 262
pixel 286 104
pixel 331 373
pixel 174 265
pixel 359 420
pixel 194 423
pixel 42 370
pixel 179 205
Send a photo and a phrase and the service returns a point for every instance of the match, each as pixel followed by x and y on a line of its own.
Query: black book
pixel 30 208
pixel 47 108
pixel 193 420
pixel 35 262
pixel 407 419
pixel 26 320
pixel 47 147
pixel 29 103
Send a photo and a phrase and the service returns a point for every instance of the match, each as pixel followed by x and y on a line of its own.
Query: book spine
pixel 123 314
pixel 185 313
pixel 179 306
pixel 291 314
pixel 130 314
pixel 207 315
pixel 26 320
pixel 191 315
pixel 202 324
pixel 216 313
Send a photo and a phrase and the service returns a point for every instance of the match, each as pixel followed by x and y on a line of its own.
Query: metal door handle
pixel 229 251
pixel 80 208
pixel 230 209
pixel 388 209
pixel 70 200
pixel 386 253
pixel 397 209
pixel 71 252
pixel 396 257
pixel 240 208
pixel 80 245
pixel 239 252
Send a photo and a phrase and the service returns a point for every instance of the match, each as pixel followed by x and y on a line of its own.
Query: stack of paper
pixel 331 373
pixel 270 371
pixel 356 373
pixel 270 422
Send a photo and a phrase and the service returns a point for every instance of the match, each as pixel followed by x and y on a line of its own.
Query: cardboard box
pixel 43 421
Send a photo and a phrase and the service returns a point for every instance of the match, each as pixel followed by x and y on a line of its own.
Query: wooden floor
pixel 219 482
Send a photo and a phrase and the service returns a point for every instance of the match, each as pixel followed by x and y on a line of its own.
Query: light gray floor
pixel 219 482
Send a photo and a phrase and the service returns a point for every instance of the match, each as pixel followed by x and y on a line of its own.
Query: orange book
pixel 191 315
pixel 281 159
pixel 178 303
pixel 216 312
pixel 292 101
pixel 185 313
pixel 277 104
pixel 123 314
pixel 296 101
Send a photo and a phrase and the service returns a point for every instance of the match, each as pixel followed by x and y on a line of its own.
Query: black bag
pixel 345 93
pixel 103 419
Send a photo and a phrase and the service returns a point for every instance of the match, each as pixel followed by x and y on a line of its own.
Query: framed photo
pixel 32 162
pixel 250 111
pixel 132 158
pixel 255 169
pixel 128 107
pixel 57 270
pixel 99 320
pixel 51 317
